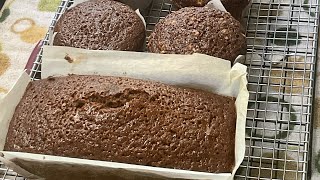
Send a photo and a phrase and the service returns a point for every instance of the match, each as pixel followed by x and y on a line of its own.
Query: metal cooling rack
pixel 281 57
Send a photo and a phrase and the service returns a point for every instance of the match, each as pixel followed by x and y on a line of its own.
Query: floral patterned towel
pixel 22 25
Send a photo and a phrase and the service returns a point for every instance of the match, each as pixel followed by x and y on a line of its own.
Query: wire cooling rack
pixel 281 56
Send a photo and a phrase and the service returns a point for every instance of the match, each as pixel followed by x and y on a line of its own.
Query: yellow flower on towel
pixel 3 90
pixel 28 30
pixel 4 63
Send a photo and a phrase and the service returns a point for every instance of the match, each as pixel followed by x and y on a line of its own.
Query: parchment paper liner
pixel 143 5
pixel 198 71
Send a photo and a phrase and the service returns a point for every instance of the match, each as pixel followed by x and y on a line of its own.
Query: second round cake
pixel 199 30
pixel 100 25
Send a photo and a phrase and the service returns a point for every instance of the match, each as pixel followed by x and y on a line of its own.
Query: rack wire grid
pixel 282 40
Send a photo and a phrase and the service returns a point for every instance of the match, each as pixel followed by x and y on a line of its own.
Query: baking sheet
pixel 197 71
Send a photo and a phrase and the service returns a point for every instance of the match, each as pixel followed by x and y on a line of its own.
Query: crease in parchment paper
pixel 217 4
pixel 197 70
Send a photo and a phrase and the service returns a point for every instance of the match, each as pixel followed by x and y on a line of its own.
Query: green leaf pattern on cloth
pixel 48 5
pixel 5 14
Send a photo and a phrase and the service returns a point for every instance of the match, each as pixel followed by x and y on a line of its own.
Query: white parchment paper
pixel 217 4
pixel 197 71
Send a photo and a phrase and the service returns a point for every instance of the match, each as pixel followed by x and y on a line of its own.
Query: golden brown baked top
pixel 198 30
pixel 125 120
pixel 100 24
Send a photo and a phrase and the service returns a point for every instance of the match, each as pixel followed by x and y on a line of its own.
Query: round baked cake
pixel 100 25
pixel 234 7
pixel 198 30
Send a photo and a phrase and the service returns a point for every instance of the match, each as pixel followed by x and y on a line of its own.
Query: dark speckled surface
pixel 125 120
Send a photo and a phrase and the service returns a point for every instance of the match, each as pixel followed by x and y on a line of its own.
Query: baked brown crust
pixel 125 120
pixel 198 30
pixel 100 25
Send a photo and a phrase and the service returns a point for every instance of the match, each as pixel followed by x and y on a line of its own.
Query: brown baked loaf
pixel 100 25
pixel 234 7
pixel 198 30
pixel 125 120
